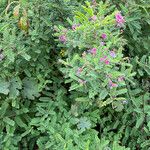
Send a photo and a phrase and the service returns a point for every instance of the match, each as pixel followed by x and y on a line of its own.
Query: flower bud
pixel 23 23
pixel 16 11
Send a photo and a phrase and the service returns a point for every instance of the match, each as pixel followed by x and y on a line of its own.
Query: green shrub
pixel 28 54
pixel 94 64
pixel 88 92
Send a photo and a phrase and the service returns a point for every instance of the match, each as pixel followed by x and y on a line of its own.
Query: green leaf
pixel 20 123
pixel 3 108
pixel 68 19
pixel 140 121
pixel 26 132
pixel 103 94
pixel 4 87
pixel 15 86
pixel 11 56
pixel 146 143
pixel 26 56
pixel 117 105
pixel 30 89
pixel 75 86
pixel 83 124
pixel 24 2
pixel 121 91
pixel 82 99
pixel 9 121
pixel 148 125
pixel 88 10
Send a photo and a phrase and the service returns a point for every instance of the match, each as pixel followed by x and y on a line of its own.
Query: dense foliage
pixel 75 75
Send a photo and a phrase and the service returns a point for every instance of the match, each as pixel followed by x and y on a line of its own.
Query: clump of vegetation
pixel 74 75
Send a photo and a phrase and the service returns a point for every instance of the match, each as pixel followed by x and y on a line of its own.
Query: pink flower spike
pixel 62 38
pixel 107 62
pixel 114 85
pixel 111 84
pixel 119 19
pixel 74 27
pixel 103 36
pixel 112 54
pixel 92 51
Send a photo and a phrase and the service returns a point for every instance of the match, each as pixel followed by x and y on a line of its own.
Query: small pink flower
pixel 111 84
pixel 103 58
pixel 102 43
pixel 63 38
pixel 79 71
pixel 103 36
pixel 74 27
pixel 112 54
pixel 119 19
pixel 114 85
pixel 121 79
pixel 93 51
pixel 94 18
pixel 107 62
pixel 82 81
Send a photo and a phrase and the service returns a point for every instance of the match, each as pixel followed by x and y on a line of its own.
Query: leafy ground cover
pixel 75 75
